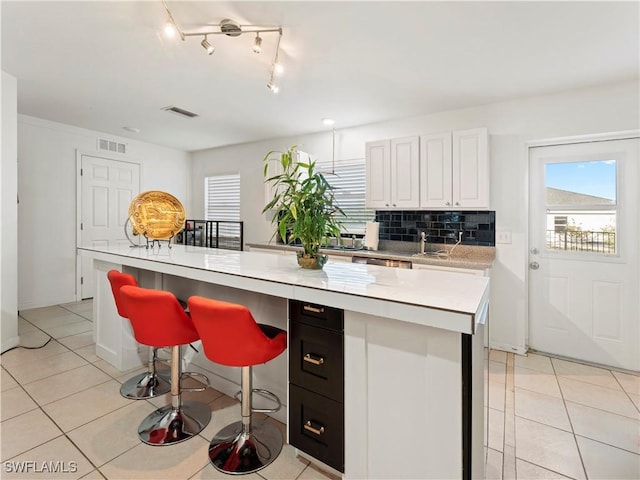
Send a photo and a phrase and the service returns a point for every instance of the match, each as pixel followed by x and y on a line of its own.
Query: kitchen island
pixel 413 349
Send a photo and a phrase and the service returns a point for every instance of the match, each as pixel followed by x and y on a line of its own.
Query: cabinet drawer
pixel 316 426
pixel 316 360
pixel 316 315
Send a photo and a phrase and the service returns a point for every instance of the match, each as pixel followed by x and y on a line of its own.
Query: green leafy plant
pixel 304 204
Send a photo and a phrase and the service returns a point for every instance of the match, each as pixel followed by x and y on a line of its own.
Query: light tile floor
pixel 60 408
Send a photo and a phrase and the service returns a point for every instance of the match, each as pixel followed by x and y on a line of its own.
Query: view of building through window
pixel 581 202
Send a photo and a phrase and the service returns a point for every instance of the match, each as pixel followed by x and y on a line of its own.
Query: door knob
pixel 534 265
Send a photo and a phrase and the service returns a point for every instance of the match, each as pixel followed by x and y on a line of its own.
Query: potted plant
pixel 303 205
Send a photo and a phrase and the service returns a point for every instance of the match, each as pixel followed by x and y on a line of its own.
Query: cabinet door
pixel 405 176
pixel 471 168
pixel 435 171
pixel 378 174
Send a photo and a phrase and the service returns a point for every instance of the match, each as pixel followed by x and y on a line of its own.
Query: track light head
pixel 207 46
pixel 257 44
pixel 273 87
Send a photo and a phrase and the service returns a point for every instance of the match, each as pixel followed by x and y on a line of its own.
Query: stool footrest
pixel 194 375
pixel 265 393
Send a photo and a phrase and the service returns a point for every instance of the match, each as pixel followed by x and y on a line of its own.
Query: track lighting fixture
pixel 207 46
pixel 276 68
pixel 232 29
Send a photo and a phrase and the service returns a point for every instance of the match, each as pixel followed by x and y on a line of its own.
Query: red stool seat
pixel 230 336
pixel 144 385
pixel 158 320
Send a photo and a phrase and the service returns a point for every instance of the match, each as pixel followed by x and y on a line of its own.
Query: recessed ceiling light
pixel 328 121
pixel 131 129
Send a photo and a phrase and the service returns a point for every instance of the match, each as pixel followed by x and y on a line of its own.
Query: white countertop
pixel 454 299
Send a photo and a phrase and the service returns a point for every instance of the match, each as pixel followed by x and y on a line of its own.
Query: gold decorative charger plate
pixel 157 215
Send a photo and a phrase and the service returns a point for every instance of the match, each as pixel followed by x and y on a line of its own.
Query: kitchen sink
pixel 341 247
pixel 433 254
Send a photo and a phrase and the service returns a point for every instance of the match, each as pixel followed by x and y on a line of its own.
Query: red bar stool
pixel 158 320
pixel 144 385
pixel 230 336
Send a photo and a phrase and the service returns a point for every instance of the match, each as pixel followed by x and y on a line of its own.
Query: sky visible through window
pixel 597 178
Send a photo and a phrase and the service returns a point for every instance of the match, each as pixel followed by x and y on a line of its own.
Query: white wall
pixel 47 211
pixel 9 215
pixel 511 124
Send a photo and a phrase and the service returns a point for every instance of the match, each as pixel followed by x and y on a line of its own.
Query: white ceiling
pixel 105 65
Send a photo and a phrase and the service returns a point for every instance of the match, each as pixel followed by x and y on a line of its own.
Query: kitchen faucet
pixel 423 241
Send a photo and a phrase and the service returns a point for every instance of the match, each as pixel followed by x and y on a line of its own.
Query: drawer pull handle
pixel 309 308
pixel 313 359
pixel 308 426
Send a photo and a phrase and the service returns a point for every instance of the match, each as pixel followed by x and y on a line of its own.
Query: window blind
pixel 348 178
pixel 222 201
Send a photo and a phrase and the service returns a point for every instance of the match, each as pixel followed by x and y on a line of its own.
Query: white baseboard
pixel 505 347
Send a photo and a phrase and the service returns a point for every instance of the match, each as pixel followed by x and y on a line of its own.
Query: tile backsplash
pixel 477 227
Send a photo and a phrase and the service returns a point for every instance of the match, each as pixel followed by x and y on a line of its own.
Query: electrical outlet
pixel 503 236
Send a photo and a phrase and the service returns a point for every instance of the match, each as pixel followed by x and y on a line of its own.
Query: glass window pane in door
pixel 581 203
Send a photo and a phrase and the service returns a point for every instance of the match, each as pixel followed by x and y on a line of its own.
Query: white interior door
pixel 107 188
pixel 583 252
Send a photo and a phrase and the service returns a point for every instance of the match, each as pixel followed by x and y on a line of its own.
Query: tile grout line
pixel 41 407
pixel 566 411
pixel 509 437
pixel 624 390
pixel 62 432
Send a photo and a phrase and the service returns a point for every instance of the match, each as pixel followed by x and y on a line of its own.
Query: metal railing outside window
pixel 225 234
pixel 581 241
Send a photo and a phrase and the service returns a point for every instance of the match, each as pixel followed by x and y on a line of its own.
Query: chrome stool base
pixel 169 425
pixel 145 385
pixel 237 452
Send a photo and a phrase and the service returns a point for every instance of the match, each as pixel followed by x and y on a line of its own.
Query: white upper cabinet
pixel 471 168
pixel 436 170
pixel 392 173
pixel 378 174
pixel 454 170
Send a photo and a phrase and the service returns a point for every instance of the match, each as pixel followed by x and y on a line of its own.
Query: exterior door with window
pixel 583 252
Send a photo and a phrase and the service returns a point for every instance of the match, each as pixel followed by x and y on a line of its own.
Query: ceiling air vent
pixel 111 146
pixel 180 111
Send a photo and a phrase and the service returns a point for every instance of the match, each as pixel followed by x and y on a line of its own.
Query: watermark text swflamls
pixel 46 466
